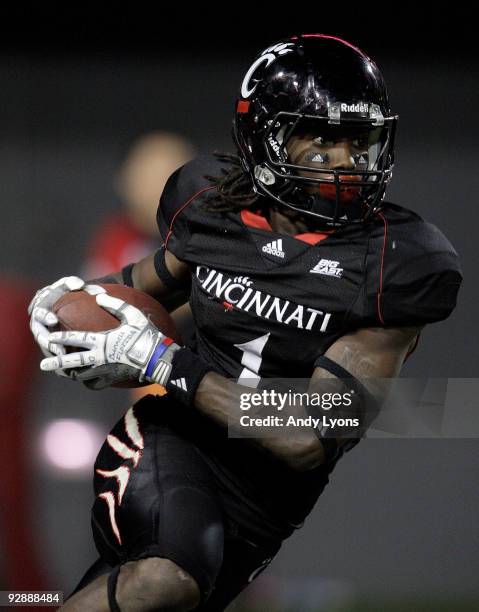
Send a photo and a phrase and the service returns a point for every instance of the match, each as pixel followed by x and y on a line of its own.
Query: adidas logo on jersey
pixel 274 248
pixel 328 268
pixel 180 382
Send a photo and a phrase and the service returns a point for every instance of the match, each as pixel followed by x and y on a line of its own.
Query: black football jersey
pixel 256 293
pixel 267 304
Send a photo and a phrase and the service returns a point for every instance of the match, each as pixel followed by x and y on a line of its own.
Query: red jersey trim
pixel 193 197
pixel 379 295
pixel 253 220
pixel 313 237
pixel 259 222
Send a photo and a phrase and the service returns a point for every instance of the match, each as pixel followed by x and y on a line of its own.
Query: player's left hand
pixel 134 350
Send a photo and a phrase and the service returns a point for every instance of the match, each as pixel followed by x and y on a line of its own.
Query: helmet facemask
pixel 332 196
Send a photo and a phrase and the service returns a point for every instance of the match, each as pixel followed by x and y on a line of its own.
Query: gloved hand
pixel 134 350
pixel 41 315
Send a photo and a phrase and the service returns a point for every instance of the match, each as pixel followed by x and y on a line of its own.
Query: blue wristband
pixel 157 353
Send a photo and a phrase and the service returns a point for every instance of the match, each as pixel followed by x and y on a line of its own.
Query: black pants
pixel 156 496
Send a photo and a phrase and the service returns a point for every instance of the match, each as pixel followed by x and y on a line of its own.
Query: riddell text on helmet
pixel 354 108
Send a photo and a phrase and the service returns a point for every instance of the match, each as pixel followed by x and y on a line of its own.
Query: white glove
pixel 41 315
pixel 134 350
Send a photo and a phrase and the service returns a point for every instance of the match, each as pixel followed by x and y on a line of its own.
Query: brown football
pixel 78 310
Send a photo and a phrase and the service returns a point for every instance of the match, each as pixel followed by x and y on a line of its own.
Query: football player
pixel 295 266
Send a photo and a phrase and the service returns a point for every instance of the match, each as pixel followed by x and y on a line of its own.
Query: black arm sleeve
pixel 357 404
pixel 163 273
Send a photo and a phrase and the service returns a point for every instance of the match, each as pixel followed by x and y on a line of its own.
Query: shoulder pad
pixel 413 271
pixel 183 190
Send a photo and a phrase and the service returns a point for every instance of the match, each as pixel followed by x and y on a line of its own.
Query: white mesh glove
pixel 134 350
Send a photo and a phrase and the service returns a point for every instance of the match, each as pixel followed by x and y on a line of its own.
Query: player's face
pixel 329 152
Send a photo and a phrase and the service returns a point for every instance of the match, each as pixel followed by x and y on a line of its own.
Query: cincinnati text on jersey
pixel 264 305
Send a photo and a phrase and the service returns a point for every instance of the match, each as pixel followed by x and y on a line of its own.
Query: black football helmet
pixel 325 89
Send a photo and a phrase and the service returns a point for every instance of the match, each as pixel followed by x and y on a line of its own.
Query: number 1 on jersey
pixel 251 360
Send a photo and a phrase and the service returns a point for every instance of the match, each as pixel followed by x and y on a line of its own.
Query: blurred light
pixel 71 444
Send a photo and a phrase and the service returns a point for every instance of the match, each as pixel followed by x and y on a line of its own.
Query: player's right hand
pixel 42 316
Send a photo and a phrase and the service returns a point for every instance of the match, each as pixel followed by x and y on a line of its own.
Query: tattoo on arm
pixel 374 356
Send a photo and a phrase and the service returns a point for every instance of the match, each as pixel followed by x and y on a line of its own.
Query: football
pixel 78 310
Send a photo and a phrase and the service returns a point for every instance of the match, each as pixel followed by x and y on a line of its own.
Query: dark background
pixel 400 516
